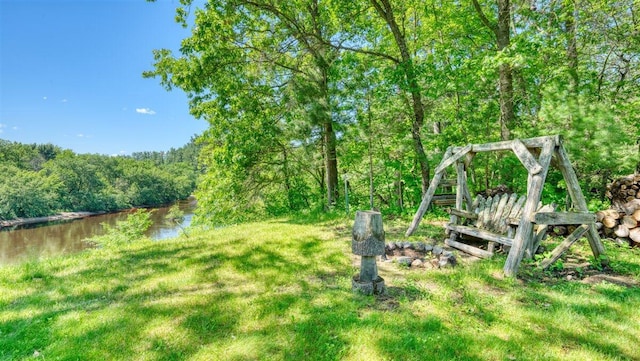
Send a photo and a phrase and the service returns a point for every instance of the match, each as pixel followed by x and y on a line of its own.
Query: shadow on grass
pixel 289 298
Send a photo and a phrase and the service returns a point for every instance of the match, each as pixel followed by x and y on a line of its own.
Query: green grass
pixel 281 290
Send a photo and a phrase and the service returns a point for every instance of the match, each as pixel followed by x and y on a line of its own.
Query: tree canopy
pixel 307 99
pixel 43 179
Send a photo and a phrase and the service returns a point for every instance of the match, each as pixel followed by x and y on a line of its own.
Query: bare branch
pixel 492 26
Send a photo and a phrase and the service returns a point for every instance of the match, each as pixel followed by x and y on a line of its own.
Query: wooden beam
pixel 447 161
pixel 461 213
pixel 464 187
pixel 426 199
pixel 498 219
pixel 462 181
pixel 492 212
pixel 540 230
pixel 474 251
pixel 573 188
pixel 485 213
pixel 525 157
pixel 505 214
pixel 564 246
pixel 554 218
pixel 537 142
pixel 516 210
pixel 480 233
pixel 523 237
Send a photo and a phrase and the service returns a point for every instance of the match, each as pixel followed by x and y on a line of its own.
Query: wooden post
pixel 573 188
pixel 368 242
pixel 524 233
pixel 426 199
pixel 564 246
pixel 460 194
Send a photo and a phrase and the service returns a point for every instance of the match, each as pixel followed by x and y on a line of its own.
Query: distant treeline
pixel 43 179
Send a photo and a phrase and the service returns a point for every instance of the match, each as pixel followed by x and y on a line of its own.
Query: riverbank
pixel 67 216
pixel 64 216
pixel 281 290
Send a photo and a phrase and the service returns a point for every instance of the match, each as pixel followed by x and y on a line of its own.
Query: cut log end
pixel 634 235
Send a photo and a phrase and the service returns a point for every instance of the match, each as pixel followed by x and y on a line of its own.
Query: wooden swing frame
pixel 536 156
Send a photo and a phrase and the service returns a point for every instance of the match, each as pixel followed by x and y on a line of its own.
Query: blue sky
pixel 70 74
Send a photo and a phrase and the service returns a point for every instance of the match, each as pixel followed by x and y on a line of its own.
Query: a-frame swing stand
pixel 536 156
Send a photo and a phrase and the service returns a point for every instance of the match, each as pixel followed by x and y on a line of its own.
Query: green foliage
pixel 129 230
pixel 40 180
pixel 25 193
pixel 175 217
pixel 271 77
pixel 281 290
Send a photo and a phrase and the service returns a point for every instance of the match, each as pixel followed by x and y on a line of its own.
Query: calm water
pixel 41 241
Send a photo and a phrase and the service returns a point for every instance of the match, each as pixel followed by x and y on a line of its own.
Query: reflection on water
pixel 44 240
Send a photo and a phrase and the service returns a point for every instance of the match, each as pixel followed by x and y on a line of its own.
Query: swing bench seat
pixel 494 220
pixel 511 219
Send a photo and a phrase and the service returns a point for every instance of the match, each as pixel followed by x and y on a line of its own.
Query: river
pixel 55 238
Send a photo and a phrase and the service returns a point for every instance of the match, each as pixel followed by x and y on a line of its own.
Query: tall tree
pixel 386 12
pixel 502 32
pixel 264 50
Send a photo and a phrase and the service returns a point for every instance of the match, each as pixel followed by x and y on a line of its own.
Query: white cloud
pixel 64 100
pixel 2 126
pixel 145 111
pixel 14 128
pixel 80 135
pixel 44 98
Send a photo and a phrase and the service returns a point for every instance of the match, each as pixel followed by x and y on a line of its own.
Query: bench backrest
pixel 498 212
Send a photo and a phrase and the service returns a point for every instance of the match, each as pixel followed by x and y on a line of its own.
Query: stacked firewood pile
pixel 624 193
pixel 622 220
pixel 619 225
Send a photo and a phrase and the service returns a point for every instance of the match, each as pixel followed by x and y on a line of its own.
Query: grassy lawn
pixel 281 290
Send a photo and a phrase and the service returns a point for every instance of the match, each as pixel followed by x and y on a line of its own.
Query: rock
pixel 391 246
pixel 417 263
pixel 405 261
pixel 447 261
pixel 420 246
pixel 407 245
pixel 437 250
pixel 428 248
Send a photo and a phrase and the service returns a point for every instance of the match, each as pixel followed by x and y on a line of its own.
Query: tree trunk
pixel 331 162
pixel 287 181
pixel 501 31
pixel 384 9
pixel 507 114
pixel 322 59
pixel 572 48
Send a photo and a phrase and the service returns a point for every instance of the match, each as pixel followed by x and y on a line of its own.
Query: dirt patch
pixel 578 269
pixel 611 278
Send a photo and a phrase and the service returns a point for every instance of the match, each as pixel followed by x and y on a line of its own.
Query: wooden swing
pixel 535 154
